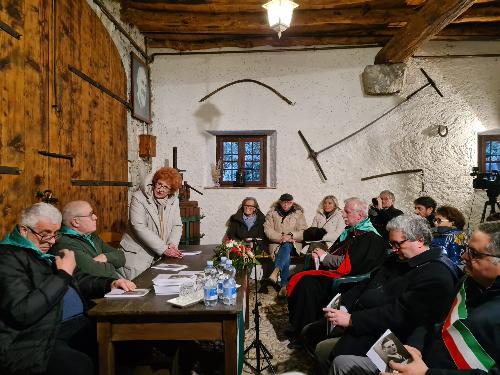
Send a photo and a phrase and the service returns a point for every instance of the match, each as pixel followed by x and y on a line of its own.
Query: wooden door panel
pixel 23 106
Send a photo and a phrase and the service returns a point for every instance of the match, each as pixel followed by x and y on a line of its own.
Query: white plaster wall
pixel 138 167
pixel 330 104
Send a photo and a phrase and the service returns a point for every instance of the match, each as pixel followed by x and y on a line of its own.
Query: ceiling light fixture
pixel 279 14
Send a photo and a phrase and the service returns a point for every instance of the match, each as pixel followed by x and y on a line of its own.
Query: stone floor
pixel 274 318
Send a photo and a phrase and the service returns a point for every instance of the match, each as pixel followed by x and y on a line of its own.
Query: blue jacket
pixel 451 241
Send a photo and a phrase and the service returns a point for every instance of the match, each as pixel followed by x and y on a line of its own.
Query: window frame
pixel 481 149
pixel 241 139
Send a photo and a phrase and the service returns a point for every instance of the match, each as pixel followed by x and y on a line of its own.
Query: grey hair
pixel 71 210
pixel 389 193
pixel 359 205
pixel 413 227
pixel 30 216
pixel 492 229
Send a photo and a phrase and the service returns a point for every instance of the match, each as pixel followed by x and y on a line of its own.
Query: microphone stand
pixel 260 348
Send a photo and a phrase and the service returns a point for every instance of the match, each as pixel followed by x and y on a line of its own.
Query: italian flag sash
pixel 463 347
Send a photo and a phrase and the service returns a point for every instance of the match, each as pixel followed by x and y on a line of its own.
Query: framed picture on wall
pixel 141 89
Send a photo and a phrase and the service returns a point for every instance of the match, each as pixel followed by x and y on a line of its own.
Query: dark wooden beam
pixel 428 21
pixel 244 42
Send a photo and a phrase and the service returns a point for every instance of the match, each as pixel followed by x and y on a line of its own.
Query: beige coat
pixel 334 225
pixel 294 223
pixel 141 242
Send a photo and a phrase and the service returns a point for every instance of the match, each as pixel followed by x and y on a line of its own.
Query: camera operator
pixel 382 211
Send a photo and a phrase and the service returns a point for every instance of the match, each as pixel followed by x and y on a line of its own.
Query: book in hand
pixel 388 348
pixel 334 304
pixel 120 293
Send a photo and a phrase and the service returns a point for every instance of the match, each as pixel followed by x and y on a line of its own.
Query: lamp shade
pixel 279 14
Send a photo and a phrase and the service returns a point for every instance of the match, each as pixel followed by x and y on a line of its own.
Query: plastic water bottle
pixel 221 277
pixel 229 296
pixel 210 288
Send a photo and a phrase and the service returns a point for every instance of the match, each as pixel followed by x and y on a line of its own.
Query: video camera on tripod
pixel 489 181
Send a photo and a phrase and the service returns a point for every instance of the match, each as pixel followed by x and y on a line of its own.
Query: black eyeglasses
pixel 44 237
pixel 474 254
pixel 89 215
pixel 397 244
pixel 248 206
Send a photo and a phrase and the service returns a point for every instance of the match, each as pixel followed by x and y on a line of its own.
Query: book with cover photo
pixel 334 304
pixel 388 348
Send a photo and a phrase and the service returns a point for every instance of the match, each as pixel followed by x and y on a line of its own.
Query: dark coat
pixel 380 218
pixel 31 306
pixel 85 253
pixel 237 230
pixel 483 321
pixel 400 296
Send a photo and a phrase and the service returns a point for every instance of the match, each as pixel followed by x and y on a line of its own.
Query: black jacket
pixel 31 305
pixel 237 230
pixel 380 218
pixel 483 321
pixel 400 296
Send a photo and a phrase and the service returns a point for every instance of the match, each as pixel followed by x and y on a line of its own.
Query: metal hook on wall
pixel 442 130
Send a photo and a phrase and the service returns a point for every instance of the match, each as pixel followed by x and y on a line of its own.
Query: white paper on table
pixel 169 267
pixel 189 253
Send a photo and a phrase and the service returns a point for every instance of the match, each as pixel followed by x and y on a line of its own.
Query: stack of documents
pixel 168 284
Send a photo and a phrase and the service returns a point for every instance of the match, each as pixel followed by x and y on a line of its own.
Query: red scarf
pixel 342 270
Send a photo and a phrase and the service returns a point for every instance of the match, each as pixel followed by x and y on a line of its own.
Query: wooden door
pixel 60 113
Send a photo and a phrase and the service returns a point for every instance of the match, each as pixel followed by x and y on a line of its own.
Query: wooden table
pixel 152 318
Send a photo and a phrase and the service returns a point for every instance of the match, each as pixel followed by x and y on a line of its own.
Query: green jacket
pixel 86 250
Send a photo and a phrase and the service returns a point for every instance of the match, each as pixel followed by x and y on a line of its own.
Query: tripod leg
pixel 484 211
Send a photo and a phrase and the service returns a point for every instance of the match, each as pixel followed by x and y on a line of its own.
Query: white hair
pixel 358 205
pixel 71 210
pixel 31 216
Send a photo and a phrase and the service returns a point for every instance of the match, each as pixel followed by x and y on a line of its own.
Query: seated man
pixel 414 286
pixel 359 249
pixel 384 212
pixel 426 207
pixel 43 327
pixel 78 234
pixel 469 338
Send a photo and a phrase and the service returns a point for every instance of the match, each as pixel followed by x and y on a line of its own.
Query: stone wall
pixel 330 104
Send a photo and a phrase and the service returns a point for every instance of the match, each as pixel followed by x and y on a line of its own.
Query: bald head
pixel 79 216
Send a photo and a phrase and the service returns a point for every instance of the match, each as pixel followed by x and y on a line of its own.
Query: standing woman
pixel 155 227
pixel 284 227
pixel 247 222
pixel 329 217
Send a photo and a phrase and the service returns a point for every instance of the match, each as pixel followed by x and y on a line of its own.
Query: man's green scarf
pixel 73 233
pixel 364 225
pixel 16 239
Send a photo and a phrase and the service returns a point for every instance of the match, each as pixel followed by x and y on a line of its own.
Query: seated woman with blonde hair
pixel 154 227
pixel 329 218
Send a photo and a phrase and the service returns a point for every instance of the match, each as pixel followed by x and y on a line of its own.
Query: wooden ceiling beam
pixel 268 41
pixel 428 21
pixel 480 14
pixel 232 6
pixel 249 22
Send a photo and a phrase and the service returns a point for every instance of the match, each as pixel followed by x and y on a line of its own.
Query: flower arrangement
pixel 216 172
pixel 239 252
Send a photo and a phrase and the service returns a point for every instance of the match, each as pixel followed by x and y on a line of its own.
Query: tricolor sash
pixel 463 347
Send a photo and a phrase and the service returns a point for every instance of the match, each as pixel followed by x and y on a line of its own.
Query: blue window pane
pixel 256 157
pixel 227 165
pixel 234 147
pixel 248 147
pixel 248 175
pixel 233 158
pixel 256 148
pixel 256 176
pixel 248 157
pixel 226 175
pixel 248 165
pixel 256 166
pixel 488 147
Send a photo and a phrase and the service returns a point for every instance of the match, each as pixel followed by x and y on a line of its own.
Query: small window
pixel 244 154
pixel 489 153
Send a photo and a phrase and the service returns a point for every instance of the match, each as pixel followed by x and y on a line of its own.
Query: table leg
pixel 106 349
pixel 229 332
